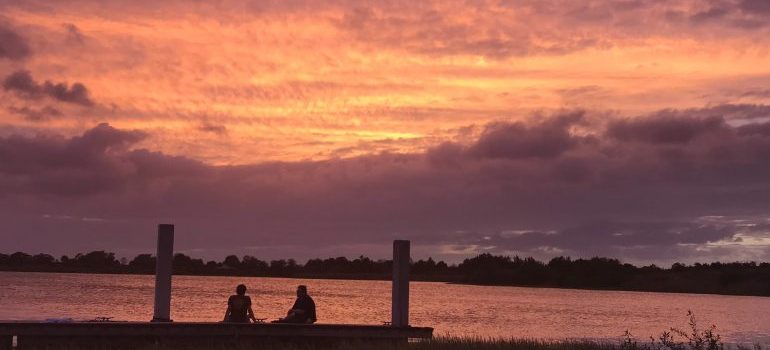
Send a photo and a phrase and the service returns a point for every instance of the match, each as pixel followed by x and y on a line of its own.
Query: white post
pixel 400 308
pixel 163 270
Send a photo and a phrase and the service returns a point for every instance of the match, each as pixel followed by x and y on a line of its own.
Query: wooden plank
pixel 128 335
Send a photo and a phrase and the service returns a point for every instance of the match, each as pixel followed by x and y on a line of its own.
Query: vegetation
pixel 675 339
pixel 694 338
pixel 738 278
pixel 447 343
pixel 434 344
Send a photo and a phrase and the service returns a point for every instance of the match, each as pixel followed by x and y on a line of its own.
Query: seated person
pixel 303 310
pixel 239 307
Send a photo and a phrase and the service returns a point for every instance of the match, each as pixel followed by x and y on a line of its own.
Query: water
pixel 451 309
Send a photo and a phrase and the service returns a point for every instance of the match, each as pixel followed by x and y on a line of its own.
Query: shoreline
pixel 387 278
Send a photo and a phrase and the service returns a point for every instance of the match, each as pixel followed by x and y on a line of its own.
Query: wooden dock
pixel 165 333
pixel 132 335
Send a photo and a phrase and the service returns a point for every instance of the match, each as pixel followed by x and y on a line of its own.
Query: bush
pixel 678 339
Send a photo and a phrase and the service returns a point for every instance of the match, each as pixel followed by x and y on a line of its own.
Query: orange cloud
pixel 292 80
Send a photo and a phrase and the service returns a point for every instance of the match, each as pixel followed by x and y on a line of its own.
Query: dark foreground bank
pixel 440 344
pixel 693 337
pixel 480 344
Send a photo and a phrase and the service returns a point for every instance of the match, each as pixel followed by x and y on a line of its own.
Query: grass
pixel 694 338
pixel 512 344
pixel 457 343
pixel 447 343
pixel 441 343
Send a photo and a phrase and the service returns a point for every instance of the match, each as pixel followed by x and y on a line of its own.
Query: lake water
pixel 451 309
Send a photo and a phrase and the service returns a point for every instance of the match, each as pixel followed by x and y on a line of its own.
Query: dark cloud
pixel 447 153
pixel 37 114
pixel 732 111
pixel 564 183
pixel 755 6
pixel 663 128
pixel 598 237
pixel 22 83
pixel 74 34
pixel 12 45
pixel 519 140
pixel 98 161
pixel 429 30
pixel 499 30
pixel 490 28
pixel 641 243
pixel 713 13
pixel 516 140
pixel 756 93
pixel 759 129
pixel 581 92
pixel 103 139
pixel 741 14
pixel 213 128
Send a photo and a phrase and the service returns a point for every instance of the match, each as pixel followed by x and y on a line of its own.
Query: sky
pixel 632 129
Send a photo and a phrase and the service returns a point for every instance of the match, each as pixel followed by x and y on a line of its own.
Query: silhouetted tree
pixel 142 263
pixel 232 262
pixel 596 273
pixel 186 265
pixel 254 267
pixel 42 259
pixel 19 259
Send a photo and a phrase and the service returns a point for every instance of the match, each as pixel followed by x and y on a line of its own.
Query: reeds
pixel 456 343
pixel 439 343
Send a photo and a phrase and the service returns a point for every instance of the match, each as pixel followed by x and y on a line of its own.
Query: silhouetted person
pixel 303 310
pixel 239 307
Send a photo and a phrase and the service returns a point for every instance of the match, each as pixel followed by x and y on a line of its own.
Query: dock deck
pixel 129 335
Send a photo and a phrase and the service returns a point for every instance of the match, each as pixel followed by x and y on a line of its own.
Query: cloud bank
pixel 312 128
pixel 675 185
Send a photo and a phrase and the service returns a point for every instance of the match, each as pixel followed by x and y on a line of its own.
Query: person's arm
pixel 313 317
pixel 294 308
pixel 250 311
pixel 227 313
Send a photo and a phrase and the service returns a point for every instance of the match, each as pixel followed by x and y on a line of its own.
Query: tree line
pixel 738 278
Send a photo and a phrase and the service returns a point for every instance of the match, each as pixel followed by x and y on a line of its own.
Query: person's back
pixel 239 307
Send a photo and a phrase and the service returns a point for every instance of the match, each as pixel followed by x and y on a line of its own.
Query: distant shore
pixel 738 278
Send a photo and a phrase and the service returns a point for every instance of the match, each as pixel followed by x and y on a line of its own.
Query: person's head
pixel 240 290
pixel 301 290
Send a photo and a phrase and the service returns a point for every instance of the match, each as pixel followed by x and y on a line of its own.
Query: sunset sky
pixel 631 129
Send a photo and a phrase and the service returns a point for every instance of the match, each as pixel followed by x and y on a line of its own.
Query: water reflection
pixel 450 309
